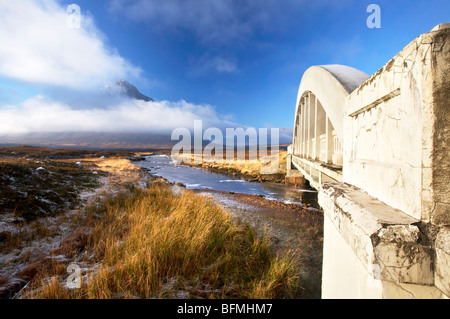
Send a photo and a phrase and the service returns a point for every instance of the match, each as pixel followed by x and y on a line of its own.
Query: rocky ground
pixel 42 192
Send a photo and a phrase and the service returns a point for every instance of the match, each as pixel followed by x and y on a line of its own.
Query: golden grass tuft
pixel 153 243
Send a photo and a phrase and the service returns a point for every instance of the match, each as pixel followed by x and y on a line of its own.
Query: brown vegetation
pixel 135 239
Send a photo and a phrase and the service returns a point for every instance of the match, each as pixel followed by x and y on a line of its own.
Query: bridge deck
pixel 317 172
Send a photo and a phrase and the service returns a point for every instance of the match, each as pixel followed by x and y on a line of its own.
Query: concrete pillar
pixel 297 127
pixel 304 127
pixel 311 125
pixel 300 130
pixel 329 132
pixel 316 145
pixel 301 127
pixel 308 124
pixel 296 179
pixel 321 127
pixel 296 137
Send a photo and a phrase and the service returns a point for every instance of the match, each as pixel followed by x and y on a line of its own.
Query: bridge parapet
pixel 371 249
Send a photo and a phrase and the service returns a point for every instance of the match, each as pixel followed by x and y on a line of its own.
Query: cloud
pixel 39 114
pixel 223 65
pixel 212 21
pixel 39 118
pixel 40 46
pixel 217 64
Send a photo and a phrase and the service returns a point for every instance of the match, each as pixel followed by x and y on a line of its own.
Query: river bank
pixel 254 171
pixel 253 175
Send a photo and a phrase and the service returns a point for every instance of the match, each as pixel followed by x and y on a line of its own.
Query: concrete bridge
pixel 377 150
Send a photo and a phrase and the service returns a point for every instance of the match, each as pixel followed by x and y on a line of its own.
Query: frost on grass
pixel 41 194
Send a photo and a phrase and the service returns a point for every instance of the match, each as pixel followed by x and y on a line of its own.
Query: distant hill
pixel 92 140
pixel 105 140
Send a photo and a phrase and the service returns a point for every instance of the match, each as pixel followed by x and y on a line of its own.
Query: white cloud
pixel 39 46
pixel 213 21
pixel 41 115
pixel 217 64
pixel 223 65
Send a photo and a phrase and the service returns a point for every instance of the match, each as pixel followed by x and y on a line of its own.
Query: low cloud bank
pixel 41 115
pixel 157 118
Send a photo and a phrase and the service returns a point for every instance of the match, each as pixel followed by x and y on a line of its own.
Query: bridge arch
pixel 318 128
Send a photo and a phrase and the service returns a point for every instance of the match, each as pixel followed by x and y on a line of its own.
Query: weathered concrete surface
pixel 397 131
pixel 343 273
pixel 442 273
pixel 295 180
pixel 377 233
pixel 438 208
pixel 383 249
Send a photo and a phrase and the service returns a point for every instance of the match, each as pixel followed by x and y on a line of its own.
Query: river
pixel 198 178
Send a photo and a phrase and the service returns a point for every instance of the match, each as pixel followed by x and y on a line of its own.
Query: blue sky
pixel 237 61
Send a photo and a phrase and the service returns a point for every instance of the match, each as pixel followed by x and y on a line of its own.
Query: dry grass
pixel 114 165
pixel 254 168
pixel 153 243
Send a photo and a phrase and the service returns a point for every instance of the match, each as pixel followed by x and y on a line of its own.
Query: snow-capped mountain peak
pixel 125 88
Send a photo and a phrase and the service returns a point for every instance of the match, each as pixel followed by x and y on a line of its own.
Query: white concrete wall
pixel 388 129
pixel 343 274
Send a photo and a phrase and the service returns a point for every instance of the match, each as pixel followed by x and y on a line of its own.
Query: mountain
pixel 125 88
